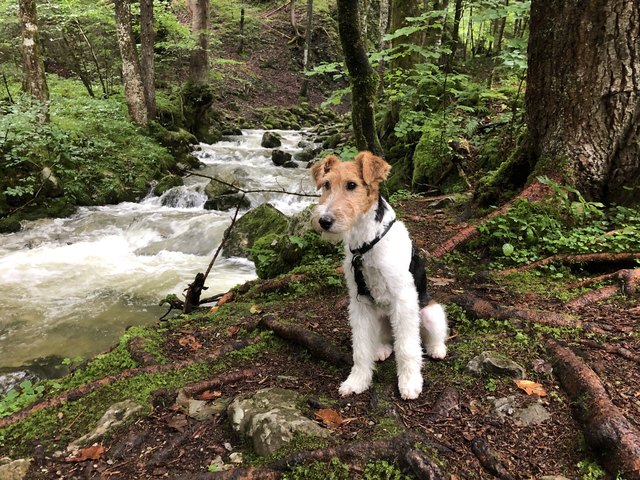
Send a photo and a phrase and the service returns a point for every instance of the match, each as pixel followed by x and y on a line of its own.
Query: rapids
pixel 71 286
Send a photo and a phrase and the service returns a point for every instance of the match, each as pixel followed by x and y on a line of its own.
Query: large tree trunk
pixel 34 82
pixel 131 71
pixel 199 66
pixel 147 65
pixel 582 99
pixel 364 80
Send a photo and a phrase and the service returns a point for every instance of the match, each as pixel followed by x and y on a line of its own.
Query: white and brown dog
pixel 389 308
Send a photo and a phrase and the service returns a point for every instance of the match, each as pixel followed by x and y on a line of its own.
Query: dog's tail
pixel 434 330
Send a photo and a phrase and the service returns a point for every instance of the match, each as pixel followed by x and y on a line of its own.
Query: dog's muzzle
pixel 326 222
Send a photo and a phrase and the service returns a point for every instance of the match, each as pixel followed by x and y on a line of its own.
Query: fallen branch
pixel 487 458
pixel 448 400
pixel 135 346
pixel 614 349
pixel 485 309
pixel 194 389
pixel 393 449
pixel 318 345
pixel 532 193
pixel 79 392
pixel 606 430
pixel 575 258
pixel 268 286
pixel 245 191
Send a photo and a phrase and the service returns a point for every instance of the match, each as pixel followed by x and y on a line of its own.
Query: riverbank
pixel 183 374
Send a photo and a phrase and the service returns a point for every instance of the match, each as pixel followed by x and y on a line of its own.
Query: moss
pixel 9 225
pixel 166 183
pixel 257 223
pixel 432 166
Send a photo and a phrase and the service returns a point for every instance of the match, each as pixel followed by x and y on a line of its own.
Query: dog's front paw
pixel 410 386
pixel 355 383
pixel 384 351
pixel 436 350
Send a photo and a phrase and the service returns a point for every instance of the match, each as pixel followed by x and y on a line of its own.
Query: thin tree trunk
pixel 455 35
pixel 147 65
pixel 131 72
pixel 307 45
pixel 292 15
pixel 501 26
pixel 241 43
pixel 199 67
pixel 96 62
pixel 364 80
pixel 79 66
pixel 34 82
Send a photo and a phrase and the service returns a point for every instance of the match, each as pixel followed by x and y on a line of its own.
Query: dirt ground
pixel 168 443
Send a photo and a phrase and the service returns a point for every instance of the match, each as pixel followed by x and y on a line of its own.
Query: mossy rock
pixel 215 188
pixel 9 225
pixel 227 202
pixel 256 223
pixel 431 159
pixel 167 183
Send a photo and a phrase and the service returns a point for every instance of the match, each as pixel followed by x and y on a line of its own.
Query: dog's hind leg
pixel 406 344
pixel 385 342
pixel 434 330
pixel 365 331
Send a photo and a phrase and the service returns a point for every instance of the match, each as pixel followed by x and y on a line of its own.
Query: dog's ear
pixel 374 169
pixel 323 167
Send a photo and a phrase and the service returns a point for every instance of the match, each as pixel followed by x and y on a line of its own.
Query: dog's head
pixel 349 189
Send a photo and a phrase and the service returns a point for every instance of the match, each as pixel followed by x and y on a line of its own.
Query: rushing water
pixel 69 287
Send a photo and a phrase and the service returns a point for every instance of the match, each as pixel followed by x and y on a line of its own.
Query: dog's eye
pixel 326 185
pixel 352 185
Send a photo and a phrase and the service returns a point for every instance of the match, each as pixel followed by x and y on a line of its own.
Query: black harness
pixel 416 267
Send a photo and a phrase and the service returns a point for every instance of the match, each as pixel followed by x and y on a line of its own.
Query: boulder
pixel 271 140
pixel 51 185
pixel 227 201
pixel 280 157
pixel 115 415
pixel 270 419
pixel 290 164
pixel 166 183
pixel 14 469
pixel 216 188
pixel 260 221
pixel 494 363
pixel 9 225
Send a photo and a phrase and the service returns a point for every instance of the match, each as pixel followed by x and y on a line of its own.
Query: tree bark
pixel 34 82
pixel 199 65
pixel 131 72
pixel 307 45
pixel 364 80
pixel 582 99
pixel 147 64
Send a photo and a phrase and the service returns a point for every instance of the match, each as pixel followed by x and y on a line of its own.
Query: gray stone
pixel 227 201
pixel 300 223
pixel 494 363
pixel 270 419
pixel 216 188
pixel 51 185
pixel 534 414
pixel 504 406
pixel 115 415
pixel 14 469
pixel 271 140
pixel 290 164
pixel 200 409
pixel 280 157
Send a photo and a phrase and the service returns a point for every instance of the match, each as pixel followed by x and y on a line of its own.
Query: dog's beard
pixel 330 237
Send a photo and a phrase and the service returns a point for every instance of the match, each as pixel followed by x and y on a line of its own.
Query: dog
pixel 389 309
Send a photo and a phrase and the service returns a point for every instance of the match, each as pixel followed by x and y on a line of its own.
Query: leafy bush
pixel 563 222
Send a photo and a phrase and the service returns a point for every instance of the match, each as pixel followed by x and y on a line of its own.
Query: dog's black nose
pixel 325 222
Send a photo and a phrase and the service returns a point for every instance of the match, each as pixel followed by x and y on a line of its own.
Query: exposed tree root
pixel 485 309
pixel 393 449
pixel 614 349
pixel 251 473
pixel 448 400
pixel 593 296
pixel 194 389
pixel 606 430
pixel 487 458
pixel 267 286
pixel 532 193
pixel 139 354
pixel 318 345
pixel 79 392
pixel 575 258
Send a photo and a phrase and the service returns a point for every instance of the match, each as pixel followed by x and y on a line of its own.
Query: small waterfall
pixel 71 286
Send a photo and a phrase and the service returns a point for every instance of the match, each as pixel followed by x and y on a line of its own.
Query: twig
pixel 242 190
pixel 487 458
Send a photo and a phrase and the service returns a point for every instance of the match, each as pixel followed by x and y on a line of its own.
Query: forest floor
pixel 475 409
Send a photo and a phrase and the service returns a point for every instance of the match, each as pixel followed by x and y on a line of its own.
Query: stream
pixel 71 286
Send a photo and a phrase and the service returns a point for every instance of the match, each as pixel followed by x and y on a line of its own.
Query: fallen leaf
pixel 330 418
pixel 531 388
pixel 94 452
pixel 178 422
pixel 232 330
pixel 190 342
pixel 214 309
pixel 255 309
pixel 209 395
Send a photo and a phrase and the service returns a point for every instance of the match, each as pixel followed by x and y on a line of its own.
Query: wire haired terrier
pixel 389 307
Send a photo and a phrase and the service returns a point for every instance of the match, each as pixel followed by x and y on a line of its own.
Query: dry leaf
pixel 94 452
pixel 531 388
pixel 190 342
pixel 209 395
pixel 214 309
pixel 255 309
pixel 232 330
pixel 178 422
pixel 330 418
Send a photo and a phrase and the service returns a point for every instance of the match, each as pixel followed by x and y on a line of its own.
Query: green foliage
pixel 16 399
pixel 383 470
pixel 590 470
pixel 331 470
pixel 564 222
